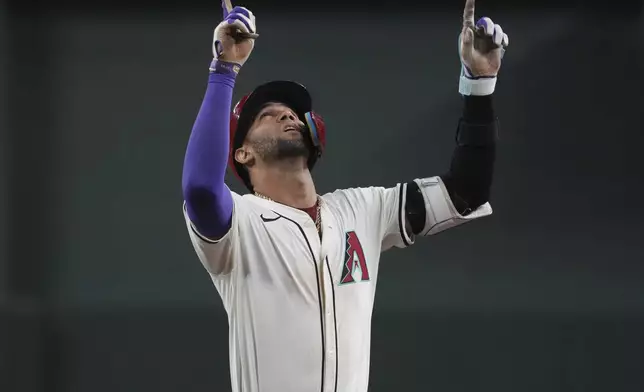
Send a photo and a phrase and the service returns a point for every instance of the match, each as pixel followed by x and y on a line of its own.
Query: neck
pixel 286 183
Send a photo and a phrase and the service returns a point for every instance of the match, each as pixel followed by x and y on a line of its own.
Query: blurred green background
pixel 101 291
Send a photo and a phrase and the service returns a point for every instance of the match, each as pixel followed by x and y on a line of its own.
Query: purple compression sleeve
pixel 209 203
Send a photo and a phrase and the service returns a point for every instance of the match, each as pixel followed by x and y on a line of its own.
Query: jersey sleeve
pixel 218 256
pixel 387 209
pixel 382 212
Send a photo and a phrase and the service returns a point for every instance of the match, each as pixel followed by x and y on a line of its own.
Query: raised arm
pixel 469 178
pixel 208 201
pixel 470 175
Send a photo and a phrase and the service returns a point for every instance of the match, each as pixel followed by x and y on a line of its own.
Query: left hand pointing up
pixel 481 45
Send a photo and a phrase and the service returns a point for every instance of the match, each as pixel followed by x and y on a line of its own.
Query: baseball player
pixel 296 270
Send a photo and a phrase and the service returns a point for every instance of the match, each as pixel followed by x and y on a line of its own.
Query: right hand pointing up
pixel 224 46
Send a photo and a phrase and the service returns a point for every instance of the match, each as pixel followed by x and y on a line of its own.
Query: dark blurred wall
pixel 546 295
pixel 4 224
pixel 30 180
pixel 4 159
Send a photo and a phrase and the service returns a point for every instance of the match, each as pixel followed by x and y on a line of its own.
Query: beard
pixel 275 149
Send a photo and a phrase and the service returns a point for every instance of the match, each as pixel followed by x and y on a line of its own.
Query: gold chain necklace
pixel 318 215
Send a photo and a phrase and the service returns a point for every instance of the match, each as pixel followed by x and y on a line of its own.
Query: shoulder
pixel 354 199
pixel 248 209
pixel 359 195
pixel 349 195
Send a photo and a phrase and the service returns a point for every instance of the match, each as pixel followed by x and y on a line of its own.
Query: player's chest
pixel 294 250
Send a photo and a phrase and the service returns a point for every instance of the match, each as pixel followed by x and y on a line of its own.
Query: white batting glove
pixel 228 50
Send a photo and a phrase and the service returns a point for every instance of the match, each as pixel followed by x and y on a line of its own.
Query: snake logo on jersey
pixel 354 268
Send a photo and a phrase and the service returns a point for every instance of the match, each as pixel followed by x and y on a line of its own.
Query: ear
pixel 244 156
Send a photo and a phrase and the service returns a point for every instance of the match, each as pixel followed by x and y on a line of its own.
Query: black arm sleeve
pixel 469 178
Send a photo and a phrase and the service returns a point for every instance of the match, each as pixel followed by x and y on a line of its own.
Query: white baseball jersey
pixel 299 308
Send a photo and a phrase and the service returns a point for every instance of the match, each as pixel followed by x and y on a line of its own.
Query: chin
pixel 292 148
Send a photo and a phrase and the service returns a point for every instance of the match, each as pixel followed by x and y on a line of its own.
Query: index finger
pixel 227 7
pixel 468 14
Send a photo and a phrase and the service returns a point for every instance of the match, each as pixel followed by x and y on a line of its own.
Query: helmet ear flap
pixel 317 130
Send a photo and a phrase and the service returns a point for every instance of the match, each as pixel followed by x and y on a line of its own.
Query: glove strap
pixel 223 67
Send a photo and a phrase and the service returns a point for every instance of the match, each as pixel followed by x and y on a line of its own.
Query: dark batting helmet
pixel 291 94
